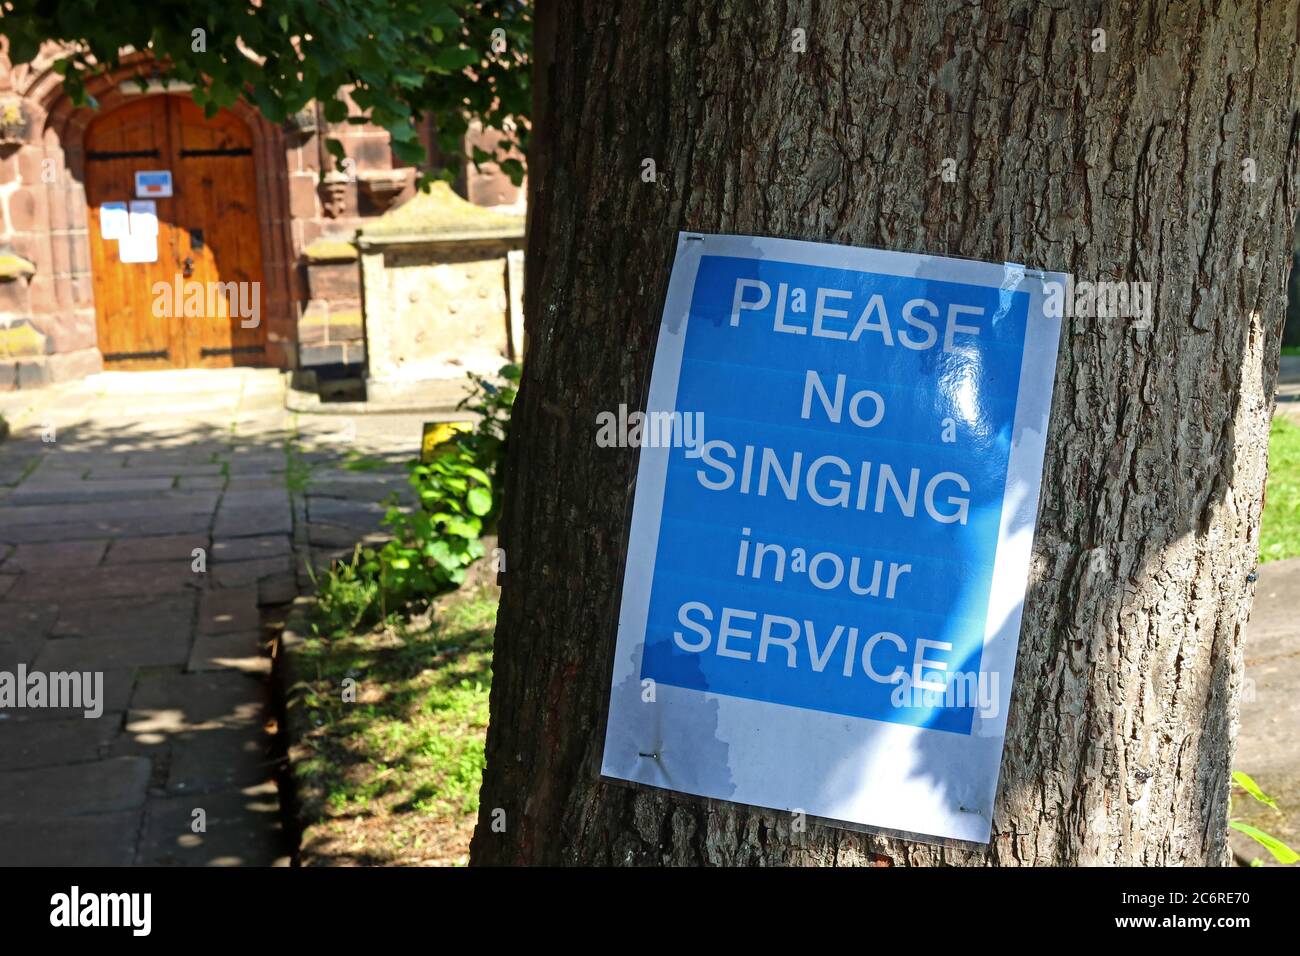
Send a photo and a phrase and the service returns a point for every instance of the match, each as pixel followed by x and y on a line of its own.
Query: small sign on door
pixel 153 183
pixel 143 217
pixel 140 244
pixel 113 220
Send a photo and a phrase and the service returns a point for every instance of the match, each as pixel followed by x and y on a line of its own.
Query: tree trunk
pixel 1169 158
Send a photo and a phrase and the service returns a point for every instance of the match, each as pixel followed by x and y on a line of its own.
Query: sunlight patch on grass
pixel 399 769
pixel 1279 535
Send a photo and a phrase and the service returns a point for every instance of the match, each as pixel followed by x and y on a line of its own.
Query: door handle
pixel 188 266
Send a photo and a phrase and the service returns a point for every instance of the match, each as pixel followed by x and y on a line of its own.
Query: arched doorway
pixel 192 295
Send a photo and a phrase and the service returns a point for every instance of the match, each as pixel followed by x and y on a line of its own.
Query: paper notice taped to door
pixel 114 222
pixel 138 247
pixel 144 217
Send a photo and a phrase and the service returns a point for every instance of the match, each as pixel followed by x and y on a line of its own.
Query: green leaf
pixel 410 153
pixel 1246 783
pixel 514 169
pixel 455 59
pixel 462 528
pixel 479 501
pixel 1281 852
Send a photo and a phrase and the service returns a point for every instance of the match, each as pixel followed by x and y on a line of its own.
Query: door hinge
pixel 233 350
pixel 126 356
pixel 231 151
pixel 96 154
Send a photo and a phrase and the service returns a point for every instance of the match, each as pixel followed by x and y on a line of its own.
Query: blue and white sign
pixel 153 183
pixel 828 561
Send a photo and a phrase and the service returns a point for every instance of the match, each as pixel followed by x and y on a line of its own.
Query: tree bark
pixel 1123 165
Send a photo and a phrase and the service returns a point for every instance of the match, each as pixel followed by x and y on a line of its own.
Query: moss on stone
pixel 441 214
pixel 12 266
pixel 21 341
pixel 330 250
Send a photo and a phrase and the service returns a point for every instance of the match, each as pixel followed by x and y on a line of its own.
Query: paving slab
pixel 361 515
pixel 253 522
pixel 247 549
pixel 171 502
pixel 270 463
pixel 174 703
pixel 109 526
pixel 169 471
pixel 218 759
pixel 20 650
pixel 256 498
pixel 103 839
pixel 120 580
pixel 238 651
pixel 168 547
pixel 1270 709
pixel 228 609
pixel 163 616
pixel 58 555
pixel 116 694
pixel 255 482
pixel 87 492
pixel 29 744
pixel 234 574
pixel 201 483
pixel 278 589
pixel 114 652
pixel 229 820
pixel 100 786
pixel 24 621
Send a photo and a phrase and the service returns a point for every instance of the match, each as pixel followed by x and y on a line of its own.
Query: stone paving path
pixel 1268 743
pixel 101 531
pixel 98 535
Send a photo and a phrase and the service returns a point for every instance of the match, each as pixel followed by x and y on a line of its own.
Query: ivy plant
pixel 459 494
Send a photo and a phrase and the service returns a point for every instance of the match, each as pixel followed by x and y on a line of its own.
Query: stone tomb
pixel 441 294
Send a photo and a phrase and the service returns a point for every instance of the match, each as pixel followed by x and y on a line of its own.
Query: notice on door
pixel 144 217
pixel 838 482
pixel 113 220
pixel 153 183
pixel 140 244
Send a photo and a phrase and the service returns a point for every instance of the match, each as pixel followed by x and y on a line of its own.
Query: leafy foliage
pixel 459 494
pixel 399 60
pixel 1280 851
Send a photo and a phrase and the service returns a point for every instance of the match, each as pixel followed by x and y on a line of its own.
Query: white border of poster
pixel 840 768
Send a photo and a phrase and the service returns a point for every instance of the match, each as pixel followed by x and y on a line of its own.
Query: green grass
pixel 1279 535
pixel 1291 350
pixel 395 775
